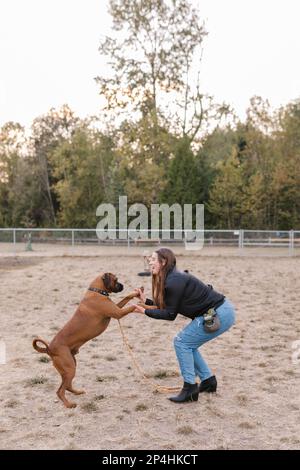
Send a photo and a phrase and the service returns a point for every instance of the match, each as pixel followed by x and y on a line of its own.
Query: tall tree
pixel 12 140
pixel 151 57
pixel 47 132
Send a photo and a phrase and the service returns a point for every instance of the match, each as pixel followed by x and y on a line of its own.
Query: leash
pixel 159 388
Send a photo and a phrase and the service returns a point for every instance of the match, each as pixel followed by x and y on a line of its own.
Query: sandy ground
pixel 258 401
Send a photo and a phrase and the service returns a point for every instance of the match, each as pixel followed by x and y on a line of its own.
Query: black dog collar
pixel 100 291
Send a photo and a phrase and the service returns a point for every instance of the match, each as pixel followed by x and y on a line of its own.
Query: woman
pixel 176 292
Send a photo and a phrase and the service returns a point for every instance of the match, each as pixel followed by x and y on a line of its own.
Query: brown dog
pixel 90 320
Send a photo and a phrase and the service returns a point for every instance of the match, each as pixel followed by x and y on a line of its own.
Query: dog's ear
pixel 107 280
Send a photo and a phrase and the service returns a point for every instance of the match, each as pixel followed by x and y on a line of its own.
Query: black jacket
pixel 187 295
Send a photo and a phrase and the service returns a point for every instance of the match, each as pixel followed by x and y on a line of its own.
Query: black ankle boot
pixel 208 385
pixel 188 393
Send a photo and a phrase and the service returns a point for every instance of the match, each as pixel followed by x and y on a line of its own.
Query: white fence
pixel 243 241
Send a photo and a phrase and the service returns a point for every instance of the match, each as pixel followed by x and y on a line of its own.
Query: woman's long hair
pixel 158 280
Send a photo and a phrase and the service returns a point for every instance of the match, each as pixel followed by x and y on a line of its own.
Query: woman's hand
pixel 138 309
pixel 137 292
pixel 140 294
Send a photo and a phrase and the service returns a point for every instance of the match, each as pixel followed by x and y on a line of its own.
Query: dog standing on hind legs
pixel 90 319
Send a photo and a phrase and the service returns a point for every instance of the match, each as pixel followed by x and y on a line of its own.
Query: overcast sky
pixel 49 53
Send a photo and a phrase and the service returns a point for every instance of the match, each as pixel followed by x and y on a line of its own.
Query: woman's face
pixel 154 263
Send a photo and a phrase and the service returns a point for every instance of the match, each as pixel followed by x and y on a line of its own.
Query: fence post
pixel 241 239
pixel 14 236
pixel 291 242
pixel 72 237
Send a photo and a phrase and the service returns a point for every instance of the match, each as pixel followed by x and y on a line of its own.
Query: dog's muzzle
pixel 118 287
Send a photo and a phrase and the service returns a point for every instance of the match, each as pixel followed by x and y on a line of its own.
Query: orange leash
pixel 158 387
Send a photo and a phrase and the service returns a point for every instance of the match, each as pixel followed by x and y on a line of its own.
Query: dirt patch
pixel 17 262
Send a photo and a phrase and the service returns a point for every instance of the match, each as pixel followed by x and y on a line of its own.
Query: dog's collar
pixel 100 291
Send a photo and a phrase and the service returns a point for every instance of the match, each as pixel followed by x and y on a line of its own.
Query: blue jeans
pixel 189 339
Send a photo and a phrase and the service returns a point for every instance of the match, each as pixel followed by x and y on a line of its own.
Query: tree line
pixel 158 139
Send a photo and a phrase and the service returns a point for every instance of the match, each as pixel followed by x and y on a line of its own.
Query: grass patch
pixel 141 407
pixel 11 404
pixel 164 374
pixel 106 378
pixel 89 407
pixel 246 425
pixel 99 397
pixel 44 359
pixel 38 380
pixel 242 399
pixel 271 379
pixel 110 358
pixel 185 430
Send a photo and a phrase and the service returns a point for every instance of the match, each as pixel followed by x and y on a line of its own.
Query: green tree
pixel 81 168
pixel 12 139
pixel 182 176
pixel 47 132
pixel 143 160
pixel 227 195
pixel 286 176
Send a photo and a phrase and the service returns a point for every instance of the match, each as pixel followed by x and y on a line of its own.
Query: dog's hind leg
pixel 74 390
pixel 70 387
pixel 66 380
pixel 63 361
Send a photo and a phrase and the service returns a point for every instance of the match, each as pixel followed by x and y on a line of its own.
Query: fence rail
pixel 241 239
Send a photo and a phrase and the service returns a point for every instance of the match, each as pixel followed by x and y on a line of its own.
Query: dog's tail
pixel 38 348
